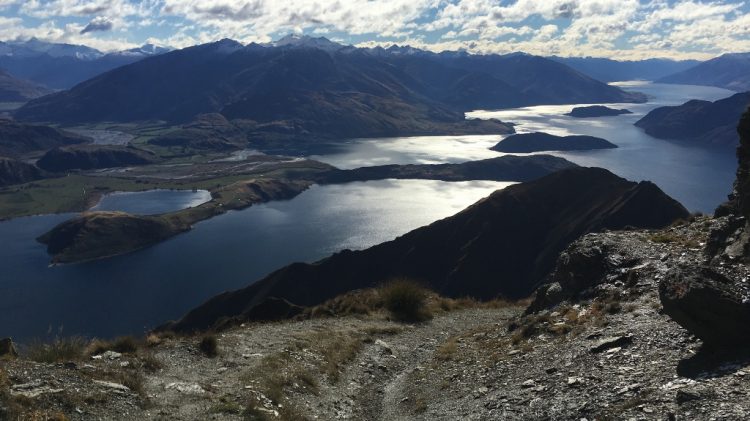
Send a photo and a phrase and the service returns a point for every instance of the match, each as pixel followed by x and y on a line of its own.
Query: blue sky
pixel 625 29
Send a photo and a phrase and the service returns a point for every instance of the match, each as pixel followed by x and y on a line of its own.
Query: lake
pixel 133 293
pixel 700 178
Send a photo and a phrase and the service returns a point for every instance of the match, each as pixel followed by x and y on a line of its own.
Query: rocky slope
pixel 537 142
pixel 699 122
pixel 87 157
pixel 502 245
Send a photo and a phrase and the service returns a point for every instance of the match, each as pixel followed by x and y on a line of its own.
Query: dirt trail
pixel 374 384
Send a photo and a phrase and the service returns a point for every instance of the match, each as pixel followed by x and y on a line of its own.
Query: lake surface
pixel 135 292
pixel 152 202
pixel 700 178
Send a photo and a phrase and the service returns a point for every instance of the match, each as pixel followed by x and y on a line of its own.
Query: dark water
pixel 129 294
pixel 698 177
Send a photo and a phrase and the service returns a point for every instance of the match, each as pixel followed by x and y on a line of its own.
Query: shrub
pixel 406 300
pixel 209 346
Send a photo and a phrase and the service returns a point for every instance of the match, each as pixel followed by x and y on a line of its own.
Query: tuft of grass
pixel 150 363
pixel 405 300
pixel 209 346
pixel 59 350
pixel 448 350
pixel 123 345
pixel 226 406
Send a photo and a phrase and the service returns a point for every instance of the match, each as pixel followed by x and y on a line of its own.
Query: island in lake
pixel 596 111
pixel 537 142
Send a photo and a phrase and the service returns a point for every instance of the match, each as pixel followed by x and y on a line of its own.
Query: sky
pixel 620 29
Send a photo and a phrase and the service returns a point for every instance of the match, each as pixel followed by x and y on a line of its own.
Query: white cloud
pixel 619 28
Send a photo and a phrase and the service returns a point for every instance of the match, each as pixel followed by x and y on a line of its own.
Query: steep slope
pixel 502 245
pixel 700 122
pixel 13 89
pixel 608 70
pixel 730 71
pixel 18 139
pixel 310 89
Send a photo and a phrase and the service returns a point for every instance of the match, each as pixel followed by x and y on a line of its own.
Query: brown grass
pixel 59 350
pixel 448 350
pixel 123 345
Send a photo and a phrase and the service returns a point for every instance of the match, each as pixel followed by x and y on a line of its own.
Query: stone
pixel 112 385
pixel 611 342
pixel 707 304
pixel 528 383
pixel 186 388
pixel 384 347
pixel 7 349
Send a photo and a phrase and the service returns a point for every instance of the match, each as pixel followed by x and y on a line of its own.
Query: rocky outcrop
pixel 537 142
pixel 504 245
pixel 708 304
pixel 16 172
pixel 7 349
pixel 87 157
pixel 504 168
pixel 596 111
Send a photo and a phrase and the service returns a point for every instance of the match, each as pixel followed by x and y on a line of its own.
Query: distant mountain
pixel 699 122
pixel 503 245
pixel 62 66
pixel 19 139
pixel 608 70
pixel 302 87
pixel 729 71
pixel 13 89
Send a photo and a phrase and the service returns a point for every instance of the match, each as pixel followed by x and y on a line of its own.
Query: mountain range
pixel 502 245
pixel 729 71
pixel 312 87
pixel 697 121
pixel 608 70
pixel 62 66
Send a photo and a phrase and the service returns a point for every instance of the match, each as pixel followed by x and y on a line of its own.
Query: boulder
pixel 7 349
pixel 709 305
